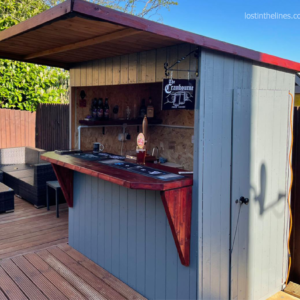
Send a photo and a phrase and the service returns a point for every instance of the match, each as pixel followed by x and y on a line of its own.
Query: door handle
pixel 242 200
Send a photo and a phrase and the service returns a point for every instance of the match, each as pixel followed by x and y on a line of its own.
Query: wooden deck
pixel 36 262
pixel 282 296
pixel 291 292
pixel 28 229
pixel 59 272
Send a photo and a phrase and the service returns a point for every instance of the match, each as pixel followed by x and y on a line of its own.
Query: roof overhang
pixel 77 31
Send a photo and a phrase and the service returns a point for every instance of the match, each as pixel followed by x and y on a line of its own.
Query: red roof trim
pixel 124 19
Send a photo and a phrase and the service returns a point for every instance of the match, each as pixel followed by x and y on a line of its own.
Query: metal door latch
pixel 242 200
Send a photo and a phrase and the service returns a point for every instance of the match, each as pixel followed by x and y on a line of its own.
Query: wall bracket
pixel 196 53
pixel 178 207
pixel 65 179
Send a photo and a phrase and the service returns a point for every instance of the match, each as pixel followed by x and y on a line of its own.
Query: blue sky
pixel 225 20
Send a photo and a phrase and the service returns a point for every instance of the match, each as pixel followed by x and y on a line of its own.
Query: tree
pixel 24 85
pixel 141 8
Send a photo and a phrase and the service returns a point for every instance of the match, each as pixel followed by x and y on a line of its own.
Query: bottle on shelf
pixel 106 109
pixel 143 109
pixel 94 109
pixel 134 115
pixel 100 109
pixel 150 109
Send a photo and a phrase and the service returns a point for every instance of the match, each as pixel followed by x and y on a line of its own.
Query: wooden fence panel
pixel 52 126
pixel 17 128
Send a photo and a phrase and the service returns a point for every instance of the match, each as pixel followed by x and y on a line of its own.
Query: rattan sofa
pixel 26 173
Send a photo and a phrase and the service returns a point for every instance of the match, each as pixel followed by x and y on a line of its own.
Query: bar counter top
pixel 121 177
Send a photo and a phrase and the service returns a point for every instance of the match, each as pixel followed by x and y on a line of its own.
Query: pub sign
pixel 178 94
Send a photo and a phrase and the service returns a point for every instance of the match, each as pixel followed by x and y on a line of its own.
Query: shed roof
pixel 77 31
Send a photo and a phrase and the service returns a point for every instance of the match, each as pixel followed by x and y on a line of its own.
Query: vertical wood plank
pixel 150 244
pixel 12 132
pixel 194 63
pixel 2 128
pixel 94 217
pixel 101 223
pixel 160 251
pixel 83 74
pixel 209 174
pixel 255 76
pixel 142 67
pixel 124 234
pixel 8 126
pixel 108 225
pixel 263 83
pixel 72 77
pixel 171 265
pixel 108 71
pixel 280 80
pixel 172 54
pixel 183 50
pixel 77 75
pixel 238 73
pixel 272 74
pixel 150 66
pixel 124 69
pixel 225 173
pixel 89 73
pixel 88 218
pixel 141 241
pixel 82 208
pixel 216 94
pixel 161 58
pixel 32 128
pixel 18 128
pixel 132 235
pixel 116 230
pixel 102 72
pixel 116 70
pixel 132 68
pixel 96 72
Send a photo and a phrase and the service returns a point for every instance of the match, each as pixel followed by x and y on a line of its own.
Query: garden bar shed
pixel 182 237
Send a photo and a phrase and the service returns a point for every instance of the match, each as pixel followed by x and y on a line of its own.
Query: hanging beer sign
pixel 178 94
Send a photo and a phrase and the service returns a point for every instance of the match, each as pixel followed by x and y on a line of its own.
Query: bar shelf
pixel 112 122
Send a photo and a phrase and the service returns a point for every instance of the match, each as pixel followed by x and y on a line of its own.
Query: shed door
pixel 259 172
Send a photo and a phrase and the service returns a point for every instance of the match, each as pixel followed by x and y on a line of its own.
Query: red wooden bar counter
pixel 176 195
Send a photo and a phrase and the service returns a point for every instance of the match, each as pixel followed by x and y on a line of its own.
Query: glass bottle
pixel 100 109
pixel 94 109
pixel 143 109
pixel 150 109
pixel 106 109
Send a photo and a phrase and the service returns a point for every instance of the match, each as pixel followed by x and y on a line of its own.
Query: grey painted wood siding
pixel 220 76
pixel 127 233
pixel 259 171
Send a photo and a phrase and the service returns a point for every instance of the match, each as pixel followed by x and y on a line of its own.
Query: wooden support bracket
pixel 65 179
pixel 178 207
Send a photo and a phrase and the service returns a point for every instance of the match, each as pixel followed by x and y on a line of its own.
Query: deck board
pixel 29 229
pixel 282 296
pixel 293 289
pixel 37 263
